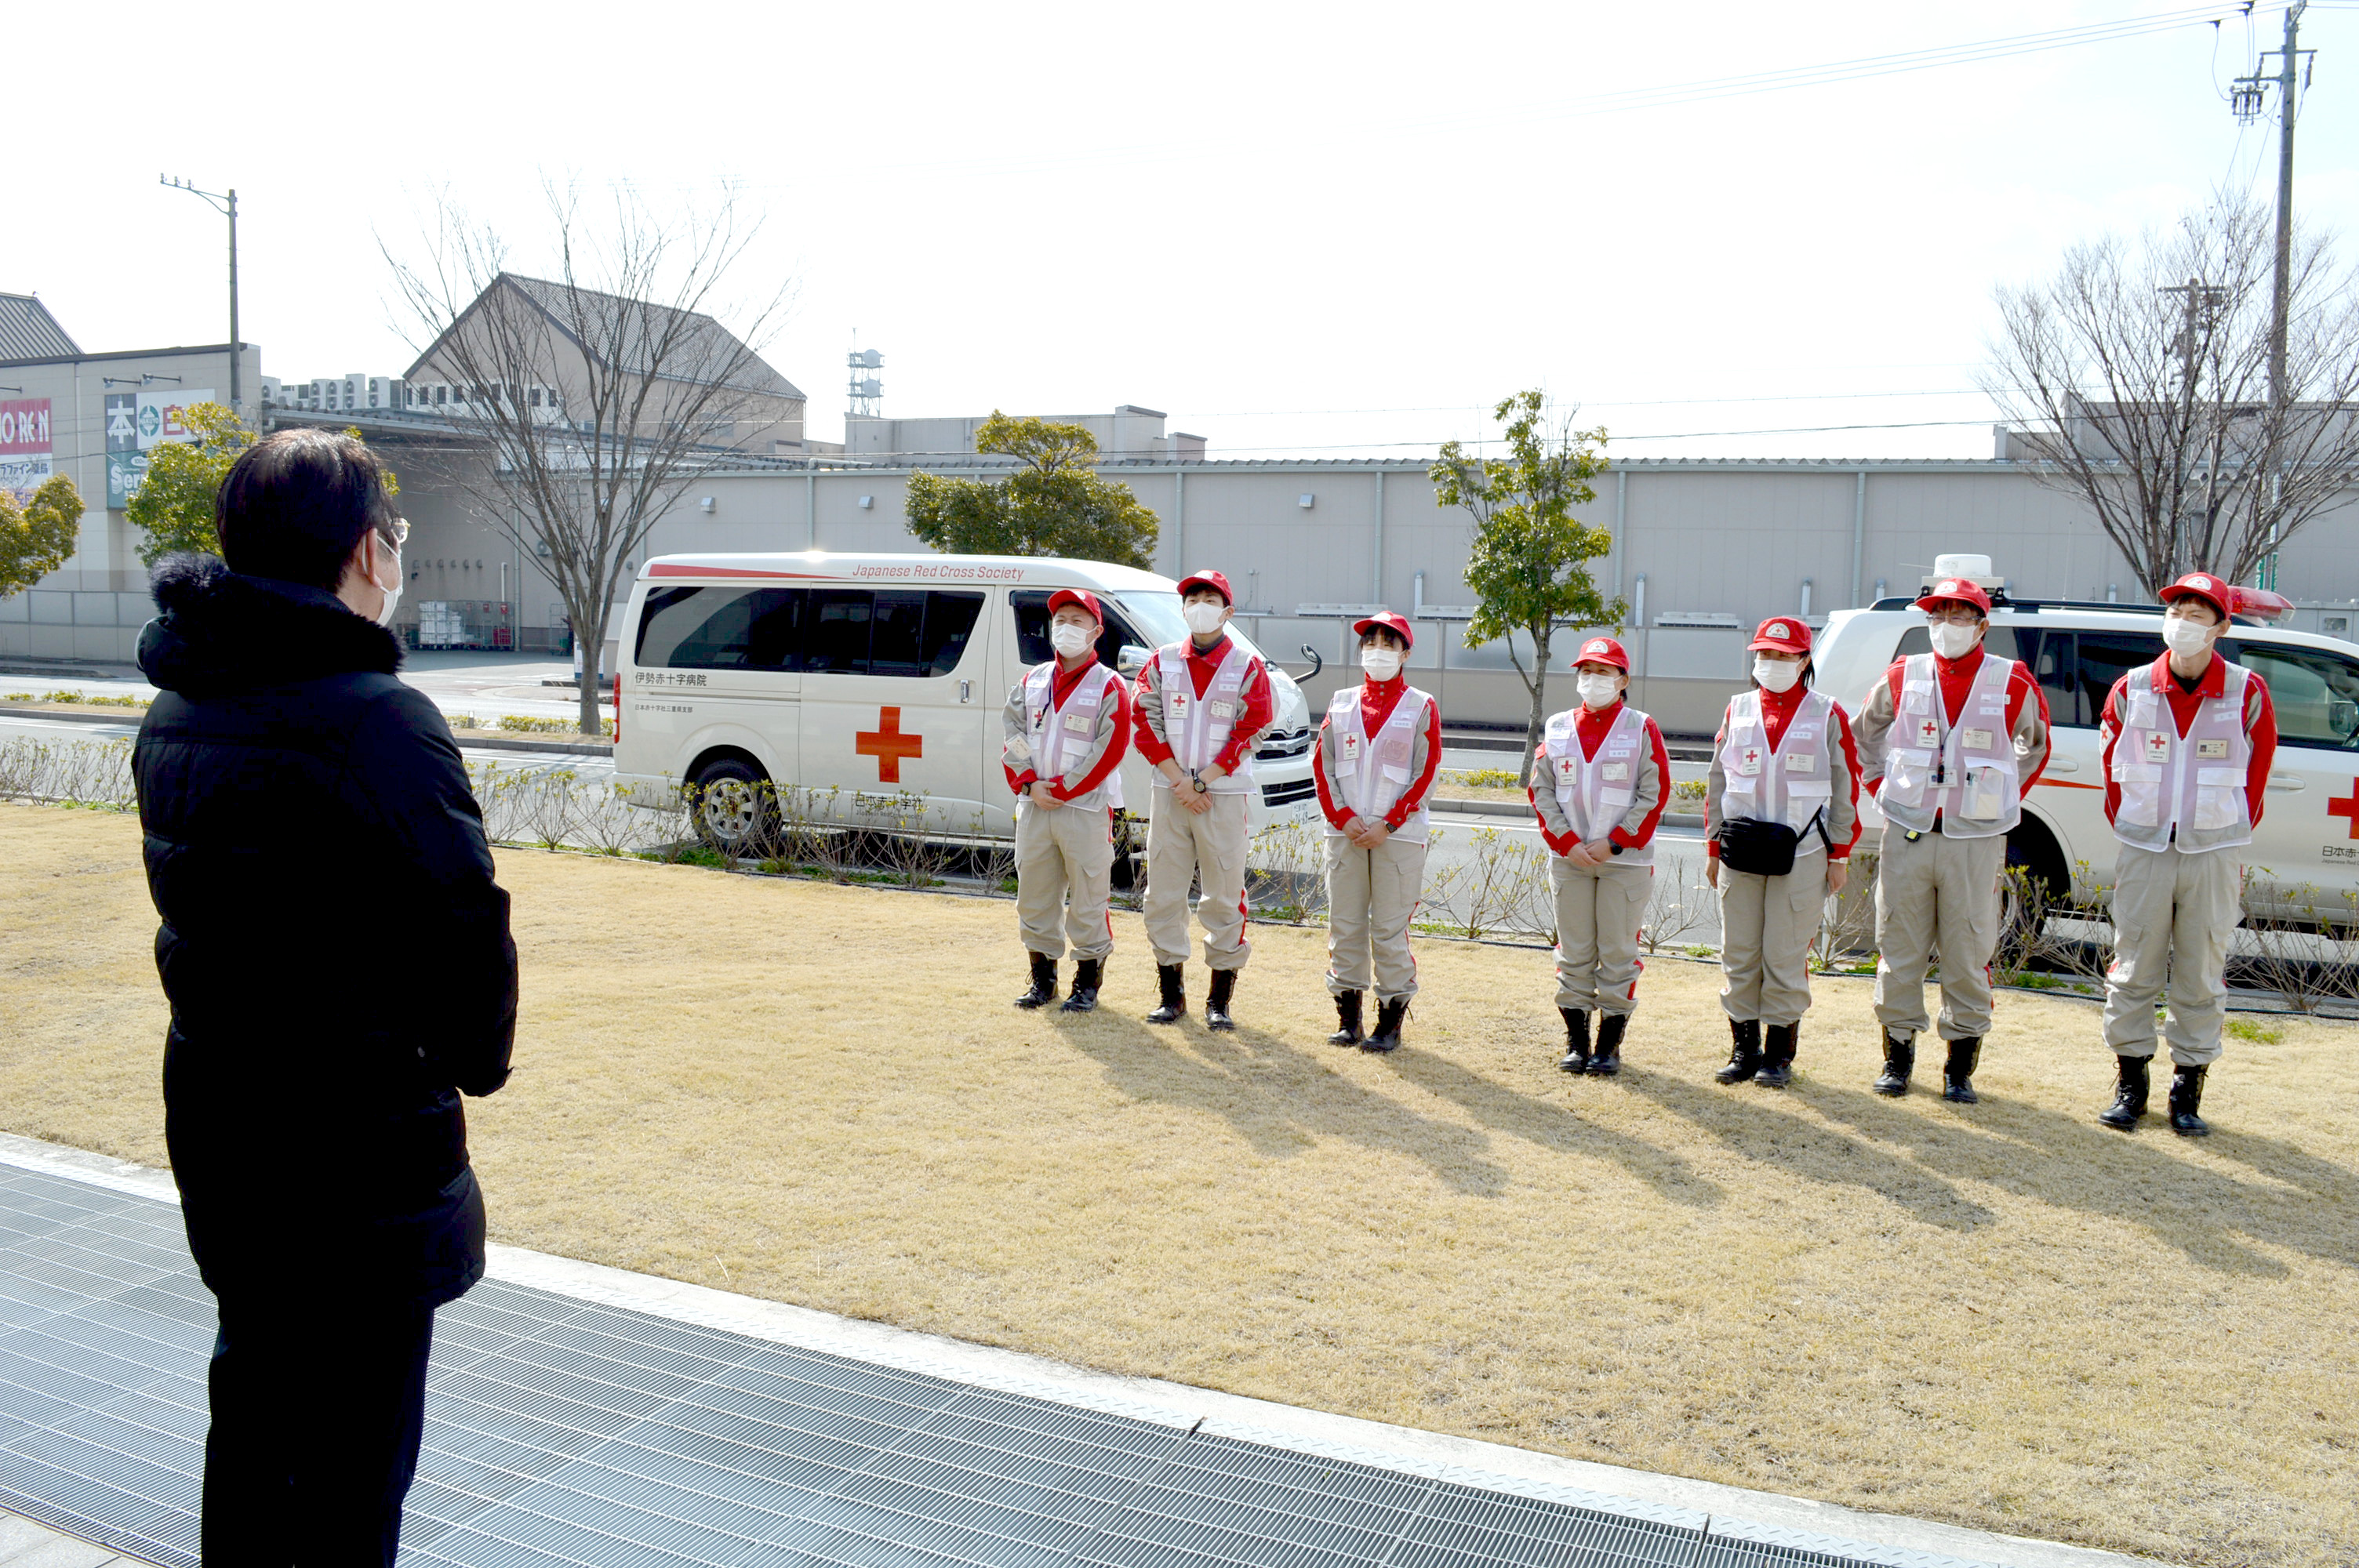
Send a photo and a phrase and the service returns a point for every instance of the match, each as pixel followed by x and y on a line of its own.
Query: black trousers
pixel 317 1412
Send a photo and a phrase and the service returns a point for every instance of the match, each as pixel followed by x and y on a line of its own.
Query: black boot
pixel 1899 1061
pixel 1088 975
pixel 1172 979
pixel 1576 1040
pixel 2130 1084
pixel 2186 1099
pixel 1778 1056
pixel 1347 1015
pixel 1216 1004
pixel 1958 1073
pixel 1387 1037
pixel 1744 1051
pixel 1606 1060
pixel 1044 982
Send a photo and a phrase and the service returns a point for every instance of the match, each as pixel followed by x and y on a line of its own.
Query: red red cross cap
pixel 1398 624
pixel 1216 580
pixel 1955 590
pixel 2215 592
pixel 1079 597
pixel 1781 634
pixel 1603 651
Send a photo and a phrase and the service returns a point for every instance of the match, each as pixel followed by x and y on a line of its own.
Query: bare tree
pixel 590 402
pixel 2139 378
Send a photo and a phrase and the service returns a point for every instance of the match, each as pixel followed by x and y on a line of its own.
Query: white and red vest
pixel 1371 772
pixel 1596 791
pixel 1967 774
pixel 1790 784
pixel 1195 727
pixel 1063 737
pixel 2188 789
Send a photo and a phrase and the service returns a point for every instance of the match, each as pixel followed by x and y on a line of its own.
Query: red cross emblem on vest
pixel 887 745
pixel 2346 805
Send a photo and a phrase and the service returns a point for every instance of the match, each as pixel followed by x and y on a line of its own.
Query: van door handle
pixel 2285 781
pixel 2061 766
pixel 966 690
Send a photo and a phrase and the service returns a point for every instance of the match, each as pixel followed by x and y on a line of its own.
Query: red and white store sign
pixel 25 427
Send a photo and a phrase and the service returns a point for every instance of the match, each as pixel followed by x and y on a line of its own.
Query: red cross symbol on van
pixel 887 745
pixel 2346 805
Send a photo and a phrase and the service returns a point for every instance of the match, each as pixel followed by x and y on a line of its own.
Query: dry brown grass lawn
pixel 2006 1317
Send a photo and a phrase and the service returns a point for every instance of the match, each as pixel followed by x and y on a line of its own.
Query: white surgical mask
pixel 1070 640
pixel 1598 691
pixel 1776 675
pixel 1952 641
pixel 1382 663
pixel 393 594
pixel 1203 617
pixel 2185 637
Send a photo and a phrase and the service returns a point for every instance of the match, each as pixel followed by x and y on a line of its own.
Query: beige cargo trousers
pixel 1766 926
pixel 2173 914
pixel 1936 894
pixel 1208 848
pixel 1372 896
pixel 1598 912
pixel 1064 873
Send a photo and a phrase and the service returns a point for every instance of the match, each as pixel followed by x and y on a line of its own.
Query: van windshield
pixel 1156 615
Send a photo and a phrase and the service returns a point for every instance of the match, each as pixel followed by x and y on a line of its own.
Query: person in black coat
pixel 338 961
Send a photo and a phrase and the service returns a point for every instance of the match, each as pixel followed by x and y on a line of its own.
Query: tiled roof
pixel 27 331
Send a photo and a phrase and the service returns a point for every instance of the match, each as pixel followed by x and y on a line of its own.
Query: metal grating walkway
pixel 560 1431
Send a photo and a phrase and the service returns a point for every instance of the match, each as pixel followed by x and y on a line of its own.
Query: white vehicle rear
pixel 2309 834
pixel 866 690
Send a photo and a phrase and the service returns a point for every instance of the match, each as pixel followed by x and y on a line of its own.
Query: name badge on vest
pixel 1568 767
pixel 2218 749
pixel 1079 723
pixel 1802 762
pixel 1978 739
pixel 1616 772
pixel 1177 703
pixel 2158 746
pixel 1928 735
pixel 1350 750
pixel 1224 710
pixel 1748 761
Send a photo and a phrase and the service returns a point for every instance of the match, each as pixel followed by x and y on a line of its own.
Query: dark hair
pixel 1369 638
pixel 295 504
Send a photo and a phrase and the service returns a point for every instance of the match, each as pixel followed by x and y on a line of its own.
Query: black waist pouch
pixel 1764 849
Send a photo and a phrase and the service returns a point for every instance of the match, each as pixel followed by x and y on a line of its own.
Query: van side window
pixel 2104 658
pixel 1031 607
pixel 721 629
pixel 897 632
pixel 2314 692
pixel 2055 669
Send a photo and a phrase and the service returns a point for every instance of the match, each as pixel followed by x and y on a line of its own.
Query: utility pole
pixel 2246 99
pixel 224 202
pixel 2202 302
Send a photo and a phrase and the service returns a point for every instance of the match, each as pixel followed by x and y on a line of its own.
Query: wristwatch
pixel 1615 848
pixel 1200 785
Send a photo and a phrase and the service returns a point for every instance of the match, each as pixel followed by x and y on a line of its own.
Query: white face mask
pixel 1598 691
pixel 1068 639
pixel 1204 616
pixel 1382 663
pixel 393 594
pixel 1776 675
pixel 2185 637
pixel 1952 641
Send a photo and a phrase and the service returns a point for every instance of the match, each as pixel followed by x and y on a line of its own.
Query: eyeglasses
pixel 398 535
pixel 1953 615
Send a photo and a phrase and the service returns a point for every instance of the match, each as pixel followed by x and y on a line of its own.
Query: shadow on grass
pixel 2143 1178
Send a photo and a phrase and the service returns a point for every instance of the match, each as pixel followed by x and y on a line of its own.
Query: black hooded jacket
pixel 333 945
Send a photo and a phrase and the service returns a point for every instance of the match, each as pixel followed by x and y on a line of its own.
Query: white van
pixel 2309 833
pixel 871 686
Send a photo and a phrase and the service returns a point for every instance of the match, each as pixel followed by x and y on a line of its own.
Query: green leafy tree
pixel 175 502
pixel 1055 504
pixel 1528 567
pixel 38 538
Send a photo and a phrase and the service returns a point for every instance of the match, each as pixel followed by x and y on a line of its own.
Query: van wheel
pixel 735 808
pixel 2033 862
pixel 1127 872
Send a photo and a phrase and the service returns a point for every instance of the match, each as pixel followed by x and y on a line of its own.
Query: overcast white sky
pixel 1297 229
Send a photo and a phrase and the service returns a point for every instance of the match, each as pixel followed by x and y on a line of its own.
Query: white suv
pixel 2309 834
